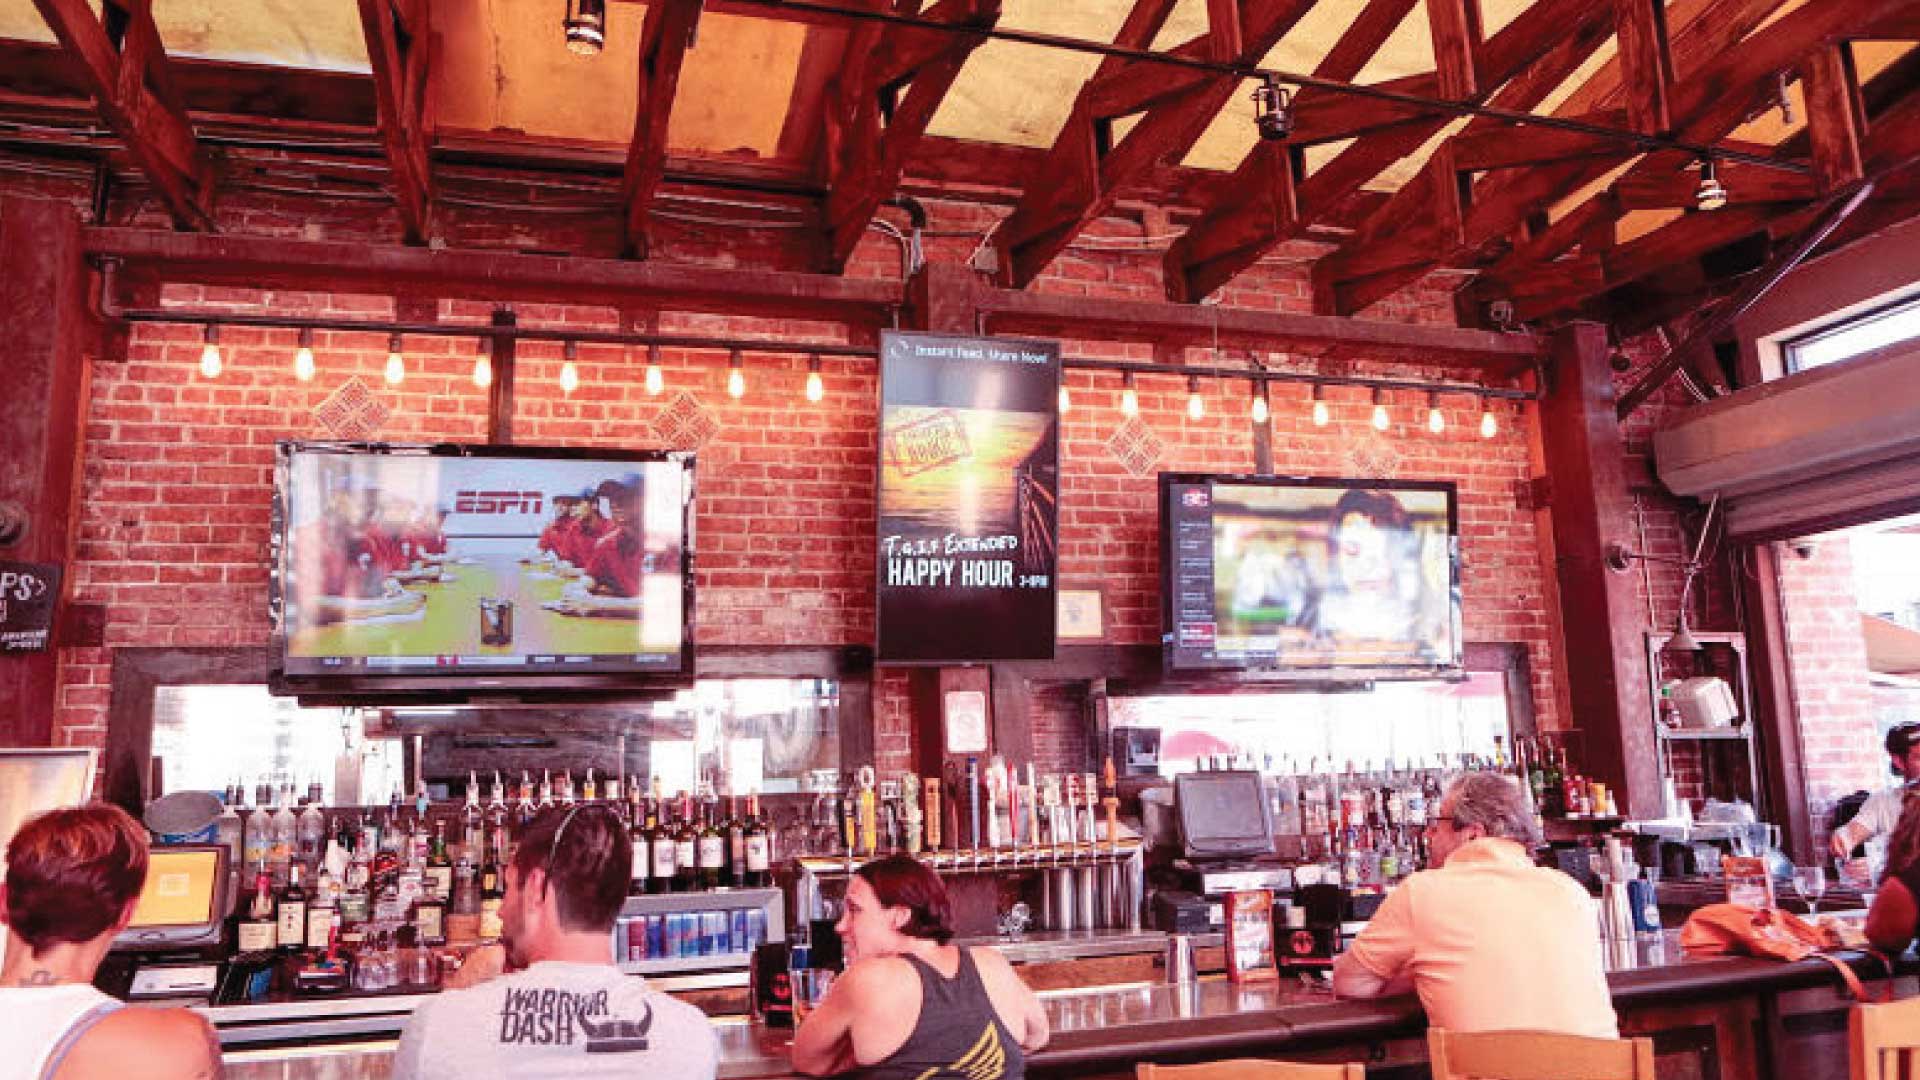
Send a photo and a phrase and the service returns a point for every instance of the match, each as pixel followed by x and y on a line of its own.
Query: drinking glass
pixel 1811 883
pixel 810 986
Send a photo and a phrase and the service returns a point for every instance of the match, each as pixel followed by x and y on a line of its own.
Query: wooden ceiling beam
pixel 1836 116
pixel 867 147
pixel 1646 63
pixel 138 99
pixel 1497 147
pixel 1455 26
pixel 1082 175
pixel 665 36
pixel 399 42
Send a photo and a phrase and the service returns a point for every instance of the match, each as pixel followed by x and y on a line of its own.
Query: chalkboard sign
pixel 27 595
pixel 969 481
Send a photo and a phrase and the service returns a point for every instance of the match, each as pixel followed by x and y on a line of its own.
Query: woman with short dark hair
pixel 909 1005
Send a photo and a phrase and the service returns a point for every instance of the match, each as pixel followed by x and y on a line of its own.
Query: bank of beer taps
pixel 979 812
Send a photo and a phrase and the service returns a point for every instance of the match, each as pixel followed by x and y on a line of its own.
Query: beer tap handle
pixel 869 818
pixel 912 820
pixel 933 813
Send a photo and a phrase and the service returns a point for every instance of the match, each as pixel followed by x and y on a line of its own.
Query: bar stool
pixel 1536 1055
pixel 1881 1040
pixel 1250 1069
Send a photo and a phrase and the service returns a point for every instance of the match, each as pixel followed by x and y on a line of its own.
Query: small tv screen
pixel 1279 575
pixel 432 568
pixel 1223 814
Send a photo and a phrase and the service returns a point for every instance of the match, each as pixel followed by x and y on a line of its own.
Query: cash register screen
pixel 1223 814
pixel 179 904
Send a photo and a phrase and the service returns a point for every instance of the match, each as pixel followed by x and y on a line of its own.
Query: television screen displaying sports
pixel 409 566
pixel 1276 574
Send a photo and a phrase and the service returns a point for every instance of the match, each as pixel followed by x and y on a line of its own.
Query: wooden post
pixel 1602 633
pixel 500 393
pixel 50 336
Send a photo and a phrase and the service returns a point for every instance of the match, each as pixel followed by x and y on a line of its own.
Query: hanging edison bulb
pixel 1321 414
pixel 396 372
pixel 1436 422
pixel 570 369
pixel 1066 400
pixel 816 386
pixel 1196 406
pixel 1258 410
pixel 1380 418
pixel 1489 427
pixel 210 353
pixel 655 382
pixel 736 376
pixel 1129 397
pixel 303 356
pixel 483 365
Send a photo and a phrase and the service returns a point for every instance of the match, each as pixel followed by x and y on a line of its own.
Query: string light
pixel 586 26
pixel 1711 194
pixel 654 381
pixel 569 370
pixel 1258 410
pixel 1196 407
pixel 210 353
pixel 303 356
pixel 816 386
pixel 1066 400
pixel 1436 423
pixel 483 364
pixel 1380 418
pixel 1489 427
pixel 1321 414
pixel 1129 397
pixel 396 364
pixel 736 376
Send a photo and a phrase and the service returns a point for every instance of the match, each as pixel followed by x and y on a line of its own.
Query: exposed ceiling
pixel 759 93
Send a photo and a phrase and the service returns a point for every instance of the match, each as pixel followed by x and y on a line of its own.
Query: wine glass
pixel 1811 883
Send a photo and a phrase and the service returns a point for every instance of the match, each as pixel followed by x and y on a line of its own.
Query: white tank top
pixel 43 1023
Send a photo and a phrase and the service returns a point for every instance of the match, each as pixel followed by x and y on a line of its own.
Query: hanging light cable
pixel 736 376
pixel 303 356
pixel 1258 410
pixel 1436 422
pixel 816 386
pixel 569 369
pixel 483 364
pixel 1321 414
pixel 1196 406
pixel 1129 397
pixel 1380 418
pixel 396 372
pixel 655 382
pixel 210 352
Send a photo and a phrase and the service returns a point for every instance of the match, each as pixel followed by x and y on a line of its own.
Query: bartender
pixel 1881 811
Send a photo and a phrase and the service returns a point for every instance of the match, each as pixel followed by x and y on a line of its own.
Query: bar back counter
pixel 1729 1018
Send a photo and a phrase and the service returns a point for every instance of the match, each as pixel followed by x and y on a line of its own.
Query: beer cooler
pixel 685 933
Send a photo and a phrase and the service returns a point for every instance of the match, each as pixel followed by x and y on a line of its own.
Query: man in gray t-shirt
pixel 570 1012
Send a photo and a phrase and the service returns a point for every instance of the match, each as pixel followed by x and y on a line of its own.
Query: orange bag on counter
pixel 1768 932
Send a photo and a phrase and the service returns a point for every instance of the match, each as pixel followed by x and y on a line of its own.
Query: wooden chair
pixel 1250 1069
pixel 1536 1055
pixel 1882 1040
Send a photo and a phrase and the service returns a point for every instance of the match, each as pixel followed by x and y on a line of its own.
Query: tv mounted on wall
pixel 1278 577
pixel 458 571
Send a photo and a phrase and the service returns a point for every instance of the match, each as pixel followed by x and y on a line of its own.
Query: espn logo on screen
pixel 1194 499
pixel 498 502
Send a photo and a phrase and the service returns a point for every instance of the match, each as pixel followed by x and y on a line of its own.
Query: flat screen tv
pixel 1309 576
pixel 460 571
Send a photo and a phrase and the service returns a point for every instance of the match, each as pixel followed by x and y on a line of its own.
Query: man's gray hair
pixel 1494 801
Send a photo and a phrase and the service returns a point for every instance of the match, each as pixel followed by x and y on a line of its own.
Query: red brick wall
pixel 173 534
pixel 1828 660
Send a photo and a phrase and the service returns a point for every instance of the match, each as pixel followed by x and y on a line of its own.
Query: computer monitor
pixel 1223 814
pixel 182 904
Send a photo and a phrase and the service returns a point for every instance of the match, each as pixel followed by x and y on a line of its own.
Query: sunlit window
pixel 207 737
pixel 1855 337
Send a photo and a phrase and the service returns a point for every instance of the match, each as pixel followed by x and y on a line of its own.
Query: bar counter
pixel 1729 1016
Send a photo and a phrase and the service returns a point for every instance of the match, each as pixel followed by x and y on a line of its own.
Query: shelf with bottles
pixel 671 933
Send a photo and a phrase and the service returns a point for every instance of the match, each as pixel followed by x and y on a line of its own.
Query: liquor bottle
pixel 1537 774
pixel 1573 790
pixel 322 913
pixel 736 844
pixel 711 848
pixel 524 812
pixel 473 820
pixel 439 874
pixel 492 893
pixel 310 832
pixel 565 794
pixel 759 846
pixel 642 853
pixel 421 802
pixel 590 790
pixel 290 913
pixel 660 842
pixel 257 847
pixel 429 919
pixel 1555 804
pixel 463 909
pixel 258 931
pixel 285 830
pixel 546 788
pixel 686 837
pixel 496 823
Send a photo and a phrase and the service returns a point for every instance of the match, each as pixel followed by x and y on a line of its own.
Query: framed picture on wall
pixel 1082 615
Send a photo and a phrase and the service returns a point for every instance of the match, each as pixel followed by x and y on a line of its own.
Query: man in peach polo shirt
pixel 1490 941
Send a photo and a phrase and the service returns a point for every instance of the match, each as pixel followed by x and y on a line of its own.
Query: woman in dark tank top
pixel 910 1006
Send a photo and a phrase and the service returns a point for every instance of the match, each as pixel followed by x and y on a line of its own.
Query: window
pixel 1853 337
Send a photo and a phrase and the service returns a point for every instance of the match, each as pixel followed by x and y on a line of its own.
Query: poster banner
pixel 968 498
pixel 27 595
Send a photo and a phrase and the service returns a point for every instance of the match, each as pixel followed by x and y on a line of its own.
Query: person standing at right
pixel 1881 812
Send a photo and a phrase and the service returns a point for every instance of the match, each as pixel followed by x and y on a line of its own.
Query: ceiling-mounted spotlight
pixel 210 353
pixel 816 387
pixel 396 372
pixel 1785 99
pixel 1129 397
pixel 1436 422
pixel 303 356
pixel 1196 407
pixel 1380 418
pixel 570 369
pixel 736 376
pixel 655 382
pixel 1711 194
pixel 483 364
pixel 586 26
pixel 1489 426
pixel 1258 410
pixel 1321 414
pixel 1272 109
